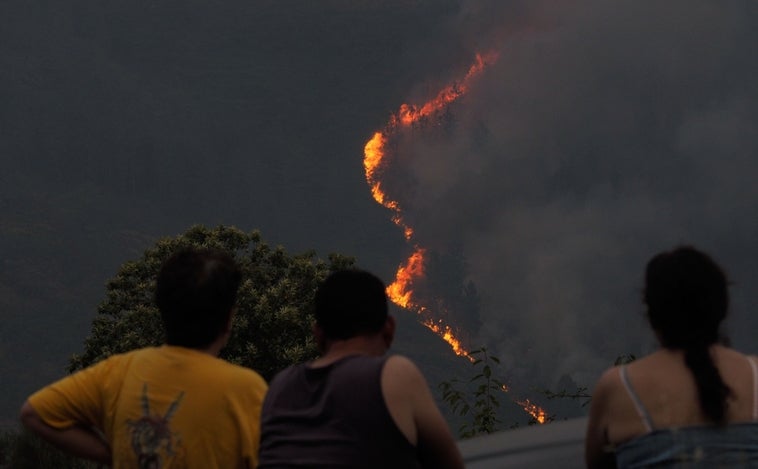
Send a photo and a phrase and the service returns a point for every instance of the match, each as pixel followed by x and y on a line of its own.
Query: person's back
pixel 174 406
pixel 658 419
pixel 692 403
pixel 162 407
pixel 333 416
pixel 353 406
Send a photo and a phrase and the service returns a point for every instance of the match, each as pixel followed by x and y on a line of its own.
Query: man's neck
pixel 213 349
pixel 360 345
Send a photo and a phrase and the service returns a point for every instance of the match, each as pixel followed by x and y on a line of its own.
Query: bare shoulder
pixel 607 383
pixel 601 395
pixel 605 396
pixel 412 407
pixel 721 351
pixel 735 355
pixel 400 372
pixel 733 364
pixel 402 385
pixel 402 365
pixel 596 439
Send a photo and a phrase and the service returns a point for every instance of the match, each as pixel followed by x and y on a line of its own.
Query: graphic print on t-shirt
pixel 152 438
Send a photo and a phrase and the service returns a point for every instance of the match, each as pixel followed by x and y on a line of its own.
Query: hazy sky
pixel 604 133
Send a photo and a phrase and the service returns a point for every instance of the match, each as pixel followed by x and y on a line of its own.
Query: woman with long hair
pixel 694 401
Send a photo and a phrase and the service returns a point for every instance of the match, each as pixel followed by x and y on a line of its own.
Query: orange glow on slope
pixel 408 114
pixel 446 333
pixel 400 291
pixel 374 152
pixel 534 410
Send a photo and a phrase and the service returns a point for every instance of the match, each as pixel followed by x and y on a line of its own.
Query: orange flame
pixel 534 410
pixel 408 114
pixel 446 332
pixel 400 291
pixel 373 151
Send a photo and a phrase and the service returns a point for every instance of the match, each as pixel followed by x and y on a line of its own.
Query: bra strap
pixel 641 411
pixel 754 369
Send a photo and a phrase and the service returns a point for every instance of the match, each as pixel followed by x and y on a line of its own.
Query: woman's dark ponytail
pixel 712 391
pixel 686 296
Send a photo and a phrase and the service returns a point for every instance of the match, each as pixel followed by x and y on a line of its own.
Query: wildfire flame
pixel 374 153
pixel 534 410
pixel 400 291
pixel 446 332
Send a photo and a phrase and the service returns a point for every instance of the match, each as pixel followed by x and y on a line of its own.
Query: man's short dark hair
pixel 350 303
pixel 195 293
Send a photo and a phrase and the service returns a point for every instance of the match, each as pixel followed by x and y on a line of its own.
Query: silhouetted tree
pixel 272 327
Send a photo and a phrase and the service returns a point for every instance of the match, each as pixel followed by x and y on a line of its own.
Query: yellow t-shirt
pixel 163 407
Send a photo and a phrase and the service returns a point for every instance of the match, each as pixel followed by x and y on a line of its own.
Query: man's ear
pixel 318 334
pixel 388 330
pixel 226 333
pixel 231 318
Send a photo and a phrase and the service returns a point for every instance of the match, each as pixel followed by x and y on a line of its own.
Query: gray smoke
pixel 605 132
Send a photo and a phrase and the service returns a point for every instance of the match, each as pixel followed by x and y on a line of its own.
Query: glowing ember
pixel 446 333
pixel 534 410
pixel 399 292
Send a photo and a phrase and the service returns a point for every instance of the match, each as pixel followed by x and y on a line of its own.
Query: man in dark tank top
pixel 354 406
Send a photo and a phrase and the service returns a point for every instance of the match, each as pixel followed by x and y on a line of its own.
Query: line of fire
pixel 400 291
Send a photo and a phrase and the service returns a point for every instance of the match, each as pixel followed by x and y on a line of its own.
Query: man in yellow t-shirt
pixel 174 406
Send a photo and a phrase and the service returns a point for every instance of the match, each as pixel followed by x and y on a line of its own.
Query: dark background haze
pixel 604 133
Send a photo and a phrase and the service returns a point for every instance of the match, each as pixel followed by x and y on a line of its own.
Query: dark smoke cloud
pixel 604 133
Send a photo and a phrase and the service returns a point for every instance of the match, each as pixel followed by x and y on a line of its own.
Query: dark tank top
pixel 333 416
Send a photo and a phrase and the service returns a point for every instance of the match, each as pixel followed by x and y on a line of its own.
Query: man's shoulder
pixel 402 375
pixel 238 373
pixel 402 366
pixel 285 375
pixel 216 371
pixel 114 362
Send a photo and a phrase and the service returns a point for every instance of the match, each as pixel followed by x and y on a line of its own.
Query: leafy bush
pixel 272 326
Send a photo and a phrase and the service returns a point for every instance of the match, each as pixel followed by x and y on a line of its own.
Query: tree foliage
pixel 478 398
pixel 482 403
pixel 272 327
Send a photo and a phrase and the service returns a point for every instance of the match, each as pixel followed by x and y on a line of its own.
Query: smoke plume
pixel 604 133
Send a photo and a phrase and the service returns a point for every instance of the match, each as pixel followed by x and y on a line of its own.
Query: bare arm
pixel 77 440
pixel 596 443
pixel 412 406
